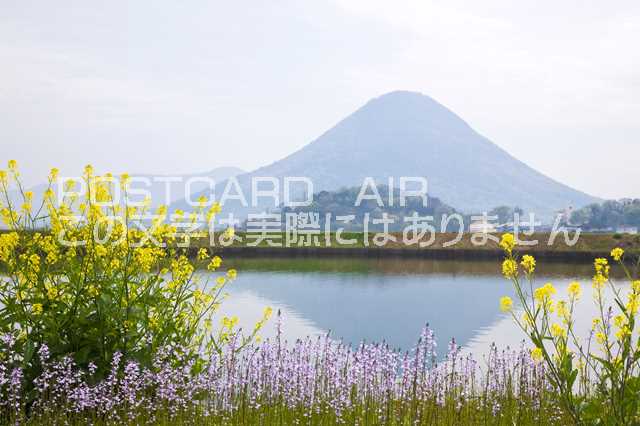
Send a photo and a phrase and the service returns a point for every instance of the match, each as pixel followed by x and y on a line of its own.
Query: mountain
pixel 410 134
pixel 178 190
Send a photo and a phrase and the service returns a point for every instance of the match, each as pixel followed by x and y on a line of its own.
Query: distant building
pixel 482 227
pixel 565 215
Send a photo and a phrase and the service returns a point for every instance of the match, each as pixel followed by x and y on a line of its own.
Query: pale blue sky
pixel 164 86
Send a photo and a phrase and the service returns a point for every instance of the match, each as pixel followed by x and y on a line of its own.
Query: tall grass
pixel 310 381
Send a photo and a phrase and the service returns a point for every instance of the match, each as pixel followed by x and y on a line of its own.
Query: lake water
pixel 390 299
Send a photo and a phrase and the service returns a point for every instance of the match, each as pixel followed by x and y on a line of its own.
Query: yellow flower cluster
pixel 508 242
pixel 528 263
pixel 602 268
pixel 36 309
pixel 575 290
pixel 622 324
pixel 633 302
pixel 617 254
pixel 52 291
pixel 510 268
pixel 96 258
pixel 536 354
pixel 144 257
pixel 215 263
pixel 558 331
pixel 266 315
pixel 543 294
pixel 203 254
pixel 506 304
pixel 53 174
pixel 562 311
pixel 613 354
pixel 213 210
pixel 8 243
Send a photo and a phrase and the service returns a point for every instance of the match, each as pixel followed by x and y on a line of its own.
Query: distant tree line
pixel 609 214
pixel 506 214
pixel 343 202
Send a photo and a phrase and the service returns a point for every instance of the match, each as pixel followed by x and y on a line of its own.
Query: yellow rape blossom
pixel 215 208
pixel 69 185
pixel 617 254
pixel 52 292
pixel 215 263
pixel 536 354
pixel 36 309
pixel 53 174
pixel 528 263
pixel 575 290
pixel 509 268
pixel 561 310
pixel 203 254
pixel 506 304
pixel 229 233
pixel 507 242
pixel 8 243
pixel 634 303
pixel 601 276
pixel 544 293
pixel 558 331
pixel 124 180
pixel 198 295
pixel 623 332
pixel 88 256
pixel 34 262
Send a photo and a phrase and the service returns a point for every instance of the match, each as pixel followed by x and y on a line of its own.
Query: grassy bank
pixel 587 247
pixel 589 244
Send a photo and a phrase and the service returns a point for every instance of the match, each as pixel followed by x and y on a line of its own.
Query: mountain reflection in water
pixel 390 299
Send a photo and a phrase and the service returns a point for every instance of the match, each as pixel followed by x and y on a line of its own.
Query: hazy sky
pixel 166 86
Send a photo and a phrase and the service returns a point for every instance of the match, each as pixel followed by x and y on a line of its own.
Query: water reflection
pixel 505 333
pixel 390 299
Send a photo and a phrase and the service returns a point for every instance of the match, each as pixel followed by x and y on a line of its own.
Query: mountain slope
pixel 410 134
pixel 178 190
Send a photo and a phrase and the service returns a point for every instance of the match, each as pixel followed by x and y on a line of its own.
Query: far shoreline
pixel 424 253
pixel 588 247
